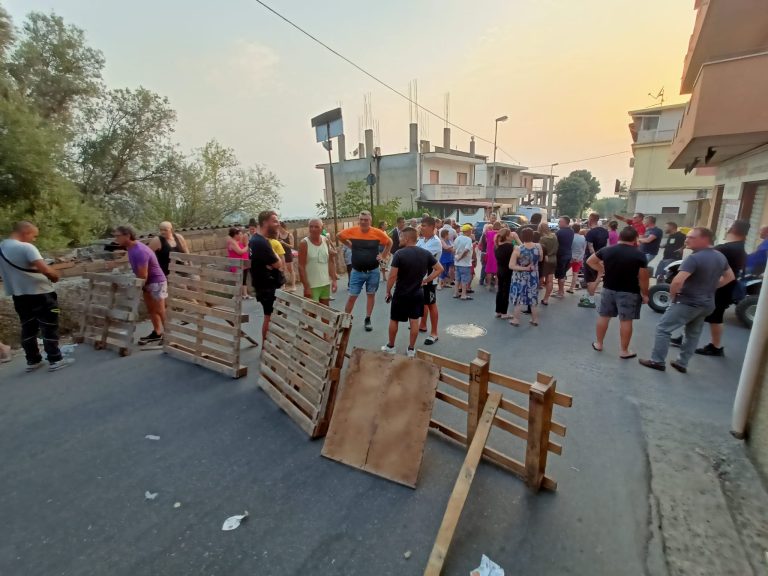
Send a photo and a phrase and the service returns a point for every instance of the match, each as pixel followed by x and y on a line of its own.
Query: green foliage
pixel 572 195
pixel 606 207
pixel 594 185
pixel 355 199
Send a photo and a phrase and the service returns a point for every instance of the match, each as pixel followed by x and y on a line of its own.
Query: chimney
pixel 414 137
pixel 425 146
pixel 472 145
pixel 342 148
pixel 361 150
pixel 369 142
pixel 447 138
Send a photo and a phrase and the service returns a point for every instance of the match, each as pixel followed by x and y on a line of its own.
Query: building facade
pixel 726 126
pixel 656 189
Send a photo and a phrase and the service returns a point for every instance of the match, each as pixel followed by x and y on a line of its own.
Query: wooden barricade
pixel 302 358
pixel 204 312
pixel 542 397
pixel 110 311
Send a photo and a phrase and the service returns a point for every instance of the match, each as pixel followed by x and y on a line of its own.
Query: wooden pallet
pixel 110 311
pixel 301 360
pixel 204 312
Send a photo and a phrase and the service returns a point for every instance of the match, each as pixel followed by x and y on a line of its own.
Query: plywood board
pixel 381 417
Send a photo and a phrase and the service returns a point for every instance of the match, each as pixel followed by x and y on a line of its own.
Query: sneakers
pixel 368 325
pixel 152 338
pixel 35 366
pixel 586 303
pixel 710 350
pixel 676 342
pixel 61 364
pixel 411 353
pixel 389 350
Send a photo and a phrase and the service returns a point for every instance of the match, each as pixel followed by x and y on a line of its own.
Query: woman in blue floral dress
pixel 524 290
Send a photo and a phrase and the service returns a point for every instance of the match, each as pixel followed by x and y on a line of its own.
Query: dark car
pixel 518 219
pixel 479 229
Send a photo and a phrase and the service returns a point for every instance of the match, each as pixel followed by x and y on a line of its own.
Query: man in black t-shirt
pixel 394 234
pixel 265 265
pixel 673 249
pixel 597 239
pixel 625 288
pixel 565 236
pixel 651 239
pixel 406 274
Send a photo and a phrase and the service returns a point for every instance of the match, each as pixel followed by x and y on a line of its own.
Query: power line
pixel 583 159
pixel 376 79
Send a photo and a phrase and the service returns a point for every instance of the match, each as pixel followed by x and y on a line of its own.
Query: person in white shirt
pixel 462 250
pixel 432 244
pixel 29 281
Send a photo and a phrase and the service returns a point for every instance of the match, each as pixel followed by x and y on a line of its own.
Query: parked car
pixel 518 219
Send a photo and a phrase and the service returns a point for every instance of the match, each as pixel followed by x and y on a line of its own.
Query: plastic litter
pixel 487 568
pixel 177 505
pixel 150 495
pixel 68 350
pixel 152 437
pixel 234 521
pixel 407 554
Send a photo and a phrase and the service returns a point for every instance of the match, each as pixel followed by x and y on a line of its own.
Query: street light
pixel 551 195
pixel 493 178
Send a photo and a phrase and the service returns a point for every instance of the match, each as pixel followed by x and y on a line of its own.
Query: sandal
pixel 429 340
pixel 532 323
pixel 595 348
pixel 515 324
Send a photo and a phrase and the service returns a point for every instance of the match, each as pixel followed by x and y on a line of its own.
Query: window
pixel 434 176
pixel 461 178
pixel 650 123
pixel 670 209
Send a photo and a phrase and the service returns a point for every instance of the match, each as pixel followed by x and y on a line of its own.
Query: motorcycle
pixel 659 300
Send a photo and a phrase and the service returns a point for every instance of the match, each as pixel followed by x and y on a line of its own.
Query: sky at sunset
pixel 565 73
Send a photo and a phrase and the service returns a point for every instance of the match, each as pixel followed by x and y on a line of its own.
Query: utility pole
pixel 328 145
pixel 493 177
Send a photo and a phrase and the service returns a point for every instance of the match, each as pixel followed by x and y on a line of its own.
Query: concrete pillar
pixel 425 146
pixel 413 137
pixel 369 143
pixel 342 148
pixel 361 150
pixel 447 138
pixel 472 145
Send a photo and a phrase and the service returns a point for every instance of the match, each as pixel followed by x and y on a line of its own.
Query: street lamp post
pixel 551 195
pixel 493 177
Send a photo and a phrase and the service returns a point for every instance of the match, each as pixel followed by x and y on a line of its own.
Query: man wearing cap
pixel 462 260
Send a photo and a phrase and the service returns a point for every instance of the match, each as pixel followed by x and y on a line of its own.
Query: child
pixel 446 259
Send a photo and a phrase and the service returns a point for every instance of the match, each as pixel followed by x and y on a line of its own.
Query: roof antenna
pixel 659 97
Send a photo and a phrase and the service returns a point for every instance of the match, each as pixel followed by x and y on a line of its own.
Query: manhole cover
pixel 466 330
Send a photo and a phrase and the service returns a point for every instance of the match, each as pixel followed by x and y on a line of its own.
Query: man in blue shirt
pixel 756 261
pixel 650 241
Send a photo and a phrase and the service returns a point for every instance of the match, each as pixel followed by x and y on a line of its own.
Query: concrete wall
pixel 448 170
pixel 397 175
pixel 652 201
pixel 507 178
pixel 651 172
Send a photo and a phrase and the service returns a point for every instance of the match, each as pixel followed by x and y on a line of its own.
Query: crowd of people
pixel 416 259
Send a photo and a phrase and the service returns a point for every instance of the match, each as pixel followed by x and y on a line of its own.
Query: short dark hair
pixel 428 221
pixel 400 219
pixel 705 233
pixel 613 225
pixel 252 223
pixel 233 232
pixel 526 235
pixel 566 218
pixel 628 234
pixel 576 228
pixel 739 227
pixel 536 218
pixel 126 230
pixel 410 231
pixel 266 215
pixel 640 214
pixel 651 218
pixel 444 232
pixel 673 224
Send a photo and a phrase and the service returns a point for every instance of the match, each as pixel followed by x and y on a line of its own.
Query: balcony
pixel 456 192
pixel 727 114
pixel 724 29
pixel 654 136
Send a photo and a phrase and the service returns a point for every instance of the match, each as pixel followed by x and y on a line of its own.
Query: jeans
pixel 663 264
pixel 39 313
pixel 691 319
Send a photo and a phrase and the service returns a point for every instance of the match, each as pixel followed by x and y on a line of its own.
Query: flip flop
pixel 468 298
pixel 543 303
pixel 429 340
pixel 532 323
pixel 515 324
pixel 633 355
pixel 595 348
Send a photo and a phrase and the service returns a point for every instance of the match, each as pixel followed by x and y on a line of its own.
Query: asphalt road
pixel 76 465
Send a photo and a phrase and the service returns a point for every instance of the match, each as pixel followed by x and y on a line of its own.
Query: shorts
pixel 463 275
pixel 158 290
pixel 370 278
pixel 446 269
pixel 625 305
pixel 267 300
pixel 562 267
pixel 321 293
pixel 723 301
pixel 408 307
pixel 590 274
pixel 575 266
pixel 430 296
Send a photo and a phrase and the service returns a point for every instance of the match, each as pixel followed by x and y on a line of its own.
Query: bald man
pixel 29 281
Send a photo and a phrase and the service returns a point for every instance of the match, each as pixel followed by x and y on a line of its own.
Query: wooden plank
pixel 111 313
pixel 454 382
pixel 200 296
pixel 314 323
pixel 478 392
pixel 176 352
pixel 521 412
pixel 443 362
pixel 171 328
pixel 187 307
pixel 173 315
pixel 448 431
pixel 288 391
pixel 182 272
pixel 217 260
pixel 308 306
pixel 541 400
pixel 462 486
pixel 522 433
pixel 277 397
pixel 523 387
pixel 202 349
pixel 120 279
pixel 452 400
pixel 328 403
pixel 188 283
pixel 310 386
pixel 382 415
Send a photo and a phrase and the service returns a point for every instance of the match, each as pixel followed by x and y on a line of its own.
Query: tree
pixel 53 66
pixel 606 207
pixel 594 185
pixel 357 198
pixel 572 194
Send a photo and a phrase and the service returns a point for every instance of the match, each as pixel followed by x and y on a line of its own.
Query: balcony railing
pixel 458 192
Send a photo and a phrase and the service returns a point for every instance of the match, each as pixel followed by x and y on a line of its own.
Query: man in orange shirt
pixel 636 222
pixel 364 241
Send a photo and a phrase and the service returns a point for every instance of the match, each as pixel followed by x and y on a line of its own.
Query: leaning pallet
pixel 204 312
pixel 536 419
pixel 110 311
pixel 302 358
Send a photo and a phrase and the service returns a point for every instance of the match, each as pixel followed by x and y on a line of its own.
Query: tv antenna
pixel 658 97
